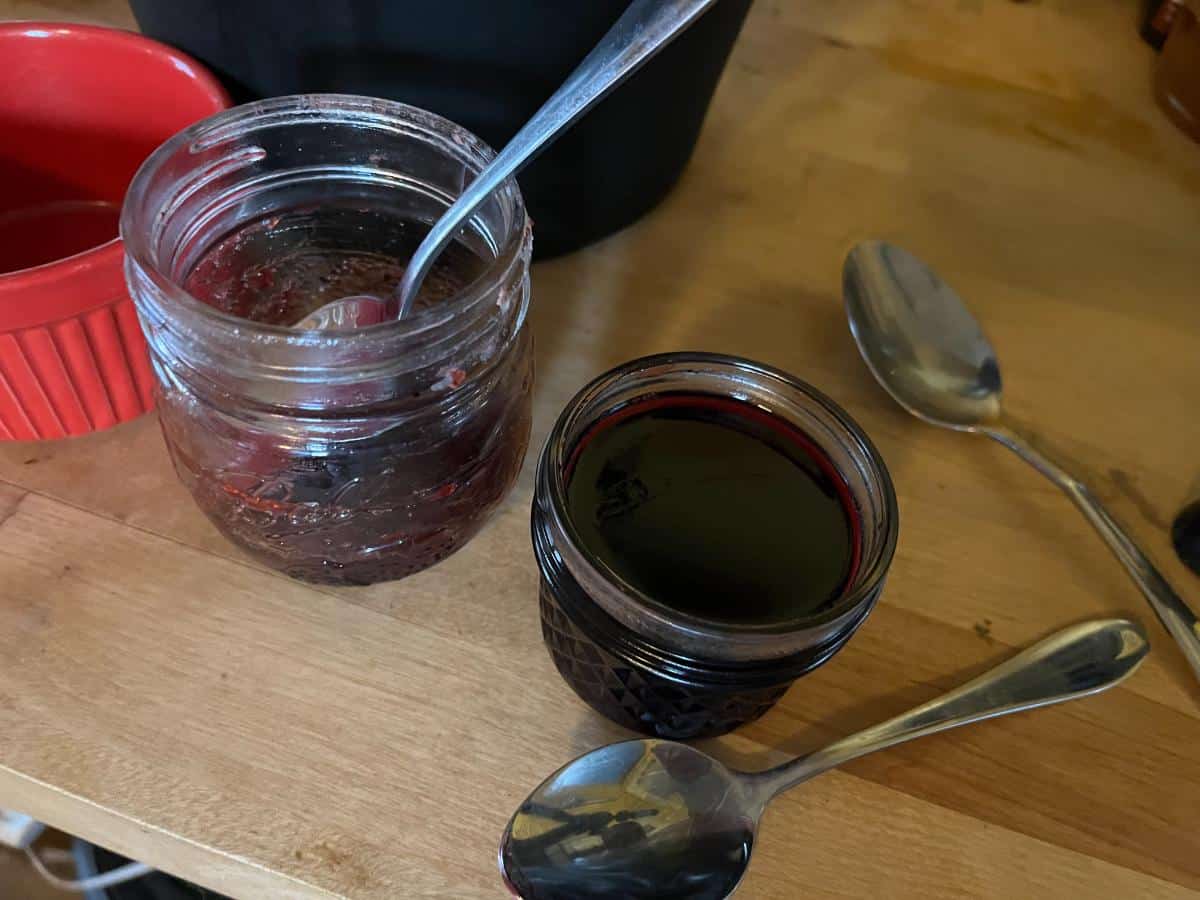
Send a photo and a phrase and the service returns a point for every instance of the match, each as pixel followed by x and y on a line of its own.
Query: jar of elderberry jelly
pixel 708 529
pixel 337 456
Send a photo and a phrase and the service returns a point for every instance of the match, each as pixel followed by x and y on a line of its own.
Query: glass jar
pixel 344 457
pixel 646 665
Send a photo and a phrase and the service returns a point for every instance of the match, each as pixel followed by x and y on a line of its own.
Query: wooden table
pixel 165 697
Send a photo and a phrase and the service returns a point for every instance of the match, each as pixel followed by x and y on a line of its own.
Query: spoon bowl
pixel 647 818
pixel 919 339
pixel 658 819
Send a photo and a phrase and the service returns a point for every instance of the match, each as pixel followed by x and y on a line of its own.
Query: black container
pixel 652 668
pixel 1185 535
pixel 487 65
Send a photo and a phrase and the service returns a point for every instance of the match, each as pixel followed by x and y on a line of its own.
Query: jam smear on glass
pixel 280 268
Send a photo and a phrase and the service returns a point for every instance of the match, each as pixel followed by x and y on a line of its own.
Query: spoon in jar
pixel 644 29
pixel 926 349
pixel 658 819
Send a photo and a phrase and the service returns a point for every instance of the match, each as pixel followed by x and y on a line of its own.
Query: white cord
pixel 57 855
pixel 127 872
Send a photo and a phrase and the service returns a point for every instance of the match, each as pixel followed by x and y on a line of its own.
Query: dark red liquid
pixel 36 235
pixel 715 508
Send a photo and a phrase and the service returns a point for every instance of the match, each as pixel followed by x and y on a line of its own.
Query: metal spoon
pixel 644 29
pixel 926 349
pixel 653 818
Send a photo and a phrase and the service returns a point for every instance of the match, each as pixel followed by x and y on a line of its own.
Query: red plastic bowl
pixel 80 108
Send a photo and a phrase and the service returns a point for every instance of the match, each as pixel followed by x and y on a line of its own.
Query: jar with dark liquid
pixel 344 456
pixel 708 529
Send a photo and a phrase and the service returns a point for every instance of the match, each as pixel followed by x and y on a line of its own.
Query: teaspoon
pixel 658 819
pixel 645 28
pixel 923 345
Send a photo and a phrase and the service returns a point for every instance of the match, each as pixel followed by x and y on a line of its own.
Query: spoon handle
pixel 1077 661
pixel 645 28
pixel 1176 616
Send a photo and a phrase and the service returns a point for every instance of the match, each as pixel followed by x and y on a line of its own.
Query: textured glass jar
pixel 335 456
pixel 653 668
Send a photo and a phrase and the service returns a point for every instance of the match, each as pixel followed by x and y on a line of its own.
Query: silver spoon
pixel 644 29
pixel 926 349
pixel 652 818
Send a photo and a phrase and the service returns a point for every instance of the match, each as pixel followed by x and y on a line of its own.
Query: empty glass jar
pixel 348 456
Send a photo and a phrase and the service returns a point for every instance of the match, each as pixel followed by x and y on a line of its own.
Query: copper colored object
pixel 1177 77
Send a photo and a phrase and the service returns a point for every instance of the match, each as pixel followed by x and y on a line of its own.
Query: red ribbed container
pixel 80 108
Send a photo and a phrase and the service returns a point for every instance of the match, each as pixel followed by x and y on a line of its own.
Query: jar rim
pixel 552 481
pixel 336 109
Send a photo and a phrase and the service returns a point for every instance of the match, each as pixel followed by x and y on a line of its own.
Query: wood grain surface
pixel 163 696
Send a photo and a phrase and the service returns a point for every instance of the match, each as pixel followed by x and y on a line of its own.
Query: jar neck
pixel 392 367
pixel 286 153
